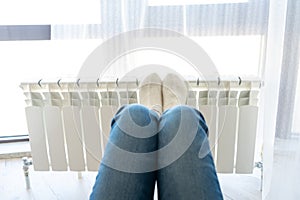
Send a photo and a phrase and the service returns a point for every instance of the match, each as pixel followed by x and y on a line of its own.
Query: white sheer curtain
pixel 284 179
pixel 274 52
pixel 243 23
pixel 276 25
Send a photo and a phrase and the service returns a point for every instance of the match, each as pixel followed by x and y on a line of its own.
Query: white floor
pixel 286 174
pixel 66 185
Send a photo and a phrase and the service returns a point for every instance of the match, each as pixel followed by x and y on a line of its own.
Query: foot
pixel 151 94
pixel 174 91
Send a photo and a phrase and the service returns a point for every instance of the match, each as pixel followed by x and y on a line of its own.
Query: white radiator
pixel 69 123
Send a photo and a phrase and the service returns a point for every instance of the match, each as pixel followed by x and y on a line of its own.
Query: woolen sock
pixel 150 93
pixel 174 91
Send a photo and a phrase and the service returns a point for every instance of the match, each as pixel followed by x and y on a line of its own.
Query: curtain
pixel 200 20
pixel 285 177
pixel 197 21
pixel 274 52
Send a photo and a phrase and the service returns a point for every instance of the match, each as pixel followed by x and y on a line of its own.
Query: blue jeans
pixel 144 148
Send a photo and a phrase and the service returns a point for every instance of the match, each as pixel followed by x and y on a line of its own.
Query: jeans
pixel 144 148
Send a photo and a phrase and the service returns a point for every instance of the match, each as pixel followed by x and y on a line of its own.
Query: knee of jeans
pixel 139 114
pixel 177 110
pixel 173 117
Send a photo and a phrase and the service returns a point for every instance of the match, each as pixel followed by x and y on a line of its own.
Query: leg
pixel 192 174
pixel 122 175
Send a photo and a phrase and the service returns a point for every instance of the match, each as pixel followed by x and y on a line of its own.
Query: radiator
pixel 69 122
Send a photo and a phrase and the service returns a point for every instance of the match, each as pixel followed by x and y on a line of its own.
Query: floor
pixel 286 175
pixel 66 185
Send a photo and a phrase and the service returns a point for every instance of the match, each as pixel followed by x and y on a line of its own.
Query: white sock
pixel 174 91
pixel 151 94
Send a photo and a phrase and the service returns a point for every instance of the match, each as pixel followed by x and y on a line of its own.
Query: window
pixel 23 61
pixel 232 55
pixel 28 54
pixel 191 2
pixel 20 12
